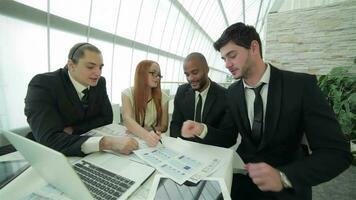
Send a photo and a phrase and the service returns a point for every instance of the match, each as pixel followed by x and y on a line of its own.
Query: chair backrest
pixel 167 91
pixel 21 131
pixel 116 109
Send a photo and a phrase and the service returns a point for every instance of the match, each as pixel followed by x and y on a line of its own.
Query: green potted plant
pixel 339 87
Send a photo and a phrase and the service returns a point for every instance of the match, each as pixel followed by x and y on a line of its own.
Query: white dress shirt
pixel 250 95
pixel 203 94
pixel 91 144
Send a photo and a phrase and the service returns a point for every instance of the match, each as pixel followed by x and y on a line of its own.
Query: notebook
pixel 87 178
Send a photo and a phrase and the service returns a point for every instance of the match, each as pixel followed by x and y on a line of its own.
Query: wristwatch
pixel 285 181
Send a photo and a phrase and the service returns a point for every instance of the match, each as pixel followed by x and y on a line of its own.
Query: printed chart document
pixel 208 169
pixel 177 166
pixel 203 152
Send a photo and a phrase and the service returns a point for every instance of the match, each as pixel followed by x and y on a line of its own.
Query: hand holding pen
pixel 154 130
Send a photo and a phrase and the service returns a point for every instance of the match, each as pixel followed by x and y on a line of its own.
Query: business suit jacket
pixel 295 105
pixel 52 103
pixel 220 126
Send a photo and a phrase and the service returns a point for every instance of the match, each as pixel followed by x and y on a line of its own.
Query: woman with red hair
pixel 145 105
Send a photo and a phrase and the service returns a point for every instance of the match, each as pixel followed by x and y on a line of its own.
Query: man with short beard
pixel 200 109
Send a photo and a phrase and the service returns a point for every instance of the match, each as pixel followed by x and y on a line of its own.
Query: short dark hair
pixel 196 56
pixel 239 33
pixel 77 51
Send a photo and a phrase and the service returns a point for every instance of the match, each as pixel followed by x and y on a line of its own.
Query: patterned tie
pixel 85 98
pixel 198 110
pixel 257 125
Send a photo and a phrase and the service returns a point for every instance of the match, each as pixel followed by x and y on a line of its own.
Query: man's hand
pixel 152 138
pixel 68 130
pixel 124 145
pixel 191 129
pixel 265 176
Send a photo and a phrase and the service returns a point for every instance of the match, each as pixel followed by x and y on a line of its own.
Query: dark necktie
pixel 198 110
pixel 85 98
pixel 257 124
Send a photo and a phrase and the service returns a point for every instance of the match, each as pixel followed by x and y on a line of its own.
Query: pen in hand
pixel 154 130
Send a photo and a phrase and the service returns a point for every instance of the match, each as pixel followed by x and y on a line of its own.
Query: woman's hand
pixel 152 138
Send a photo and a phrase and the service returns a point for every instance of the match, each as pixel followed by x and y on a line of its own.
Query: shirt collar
pixel 264 79
pixel 78 87
pixel 204 93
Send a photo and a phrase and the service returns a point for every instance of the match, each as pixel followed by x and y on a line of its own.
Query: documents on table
pixel 177 166
pixel 115 130
pixel 211 166
pixel 109 130
pixel 47 192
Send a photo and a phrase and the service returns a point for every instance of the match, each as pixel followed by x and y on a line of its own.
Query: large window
pixel 126 31
pixel 20 59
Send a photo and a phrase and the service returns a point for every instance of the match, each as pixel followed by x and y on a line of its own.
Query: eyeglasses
pixel 156 75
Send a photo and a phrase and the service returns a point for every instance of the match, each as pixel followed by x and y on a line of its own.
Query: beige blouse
pixel 151 113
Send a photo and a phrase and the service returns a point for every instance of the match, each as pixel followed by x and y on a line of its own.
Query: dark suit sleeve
pixel 177 117
pixel 223 134
pixel 105 114
pixel 45 120
pixel 330 151
pixel 221 129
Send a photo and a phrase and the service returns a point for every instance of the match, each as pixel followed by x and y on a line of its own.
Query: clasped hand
pixel 265 176
pixel 124 145
pixel 191 129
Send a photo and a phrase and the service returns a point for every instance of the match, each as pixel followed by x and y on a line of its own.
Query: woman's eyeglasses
pixel 156 75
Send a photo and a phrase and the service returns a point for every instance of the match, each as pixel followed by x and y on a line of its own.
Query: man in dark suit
pixel 62 105
pixel 200 107
pixel 272 110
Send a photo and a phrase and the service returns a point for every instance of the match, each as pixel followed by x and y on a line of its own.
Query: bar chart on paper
pixel 171 163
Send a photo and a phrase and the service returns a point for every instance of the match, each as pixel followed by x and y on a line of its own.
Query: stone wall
pixel 313 40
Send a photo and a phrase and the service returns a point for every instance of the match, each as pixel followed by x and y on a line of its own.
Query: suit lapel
pixel 189 103
pixel 274 99
pixel 209 101
pixel 72 93
pixel 239 95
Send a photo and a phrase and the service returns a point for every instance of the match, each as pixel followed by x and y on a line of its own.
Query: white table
pixel 30 181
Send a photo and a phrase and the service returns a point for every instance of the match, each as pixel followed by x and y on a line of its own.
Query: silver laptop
pixel 97 176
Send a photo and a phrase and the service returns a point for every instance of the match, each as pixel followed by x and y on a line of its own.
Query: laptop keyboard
pixel 101 183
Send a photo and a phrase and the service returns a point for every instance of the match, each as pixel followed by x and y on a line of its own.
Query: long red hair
pixel 141 89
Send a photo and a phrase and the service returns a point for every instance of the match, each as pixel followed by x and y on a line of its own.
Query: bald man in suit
pixel 206 122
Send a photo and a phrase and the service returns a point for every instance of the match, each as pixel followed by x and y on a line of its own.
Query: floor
pixel 343 187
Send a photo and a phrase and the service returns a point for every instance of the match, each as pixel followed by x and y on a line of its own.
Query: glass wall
pixel 36 36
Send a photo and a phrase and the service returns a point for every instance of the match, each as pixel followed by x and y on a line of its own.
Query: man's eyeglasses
pixel 156 75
